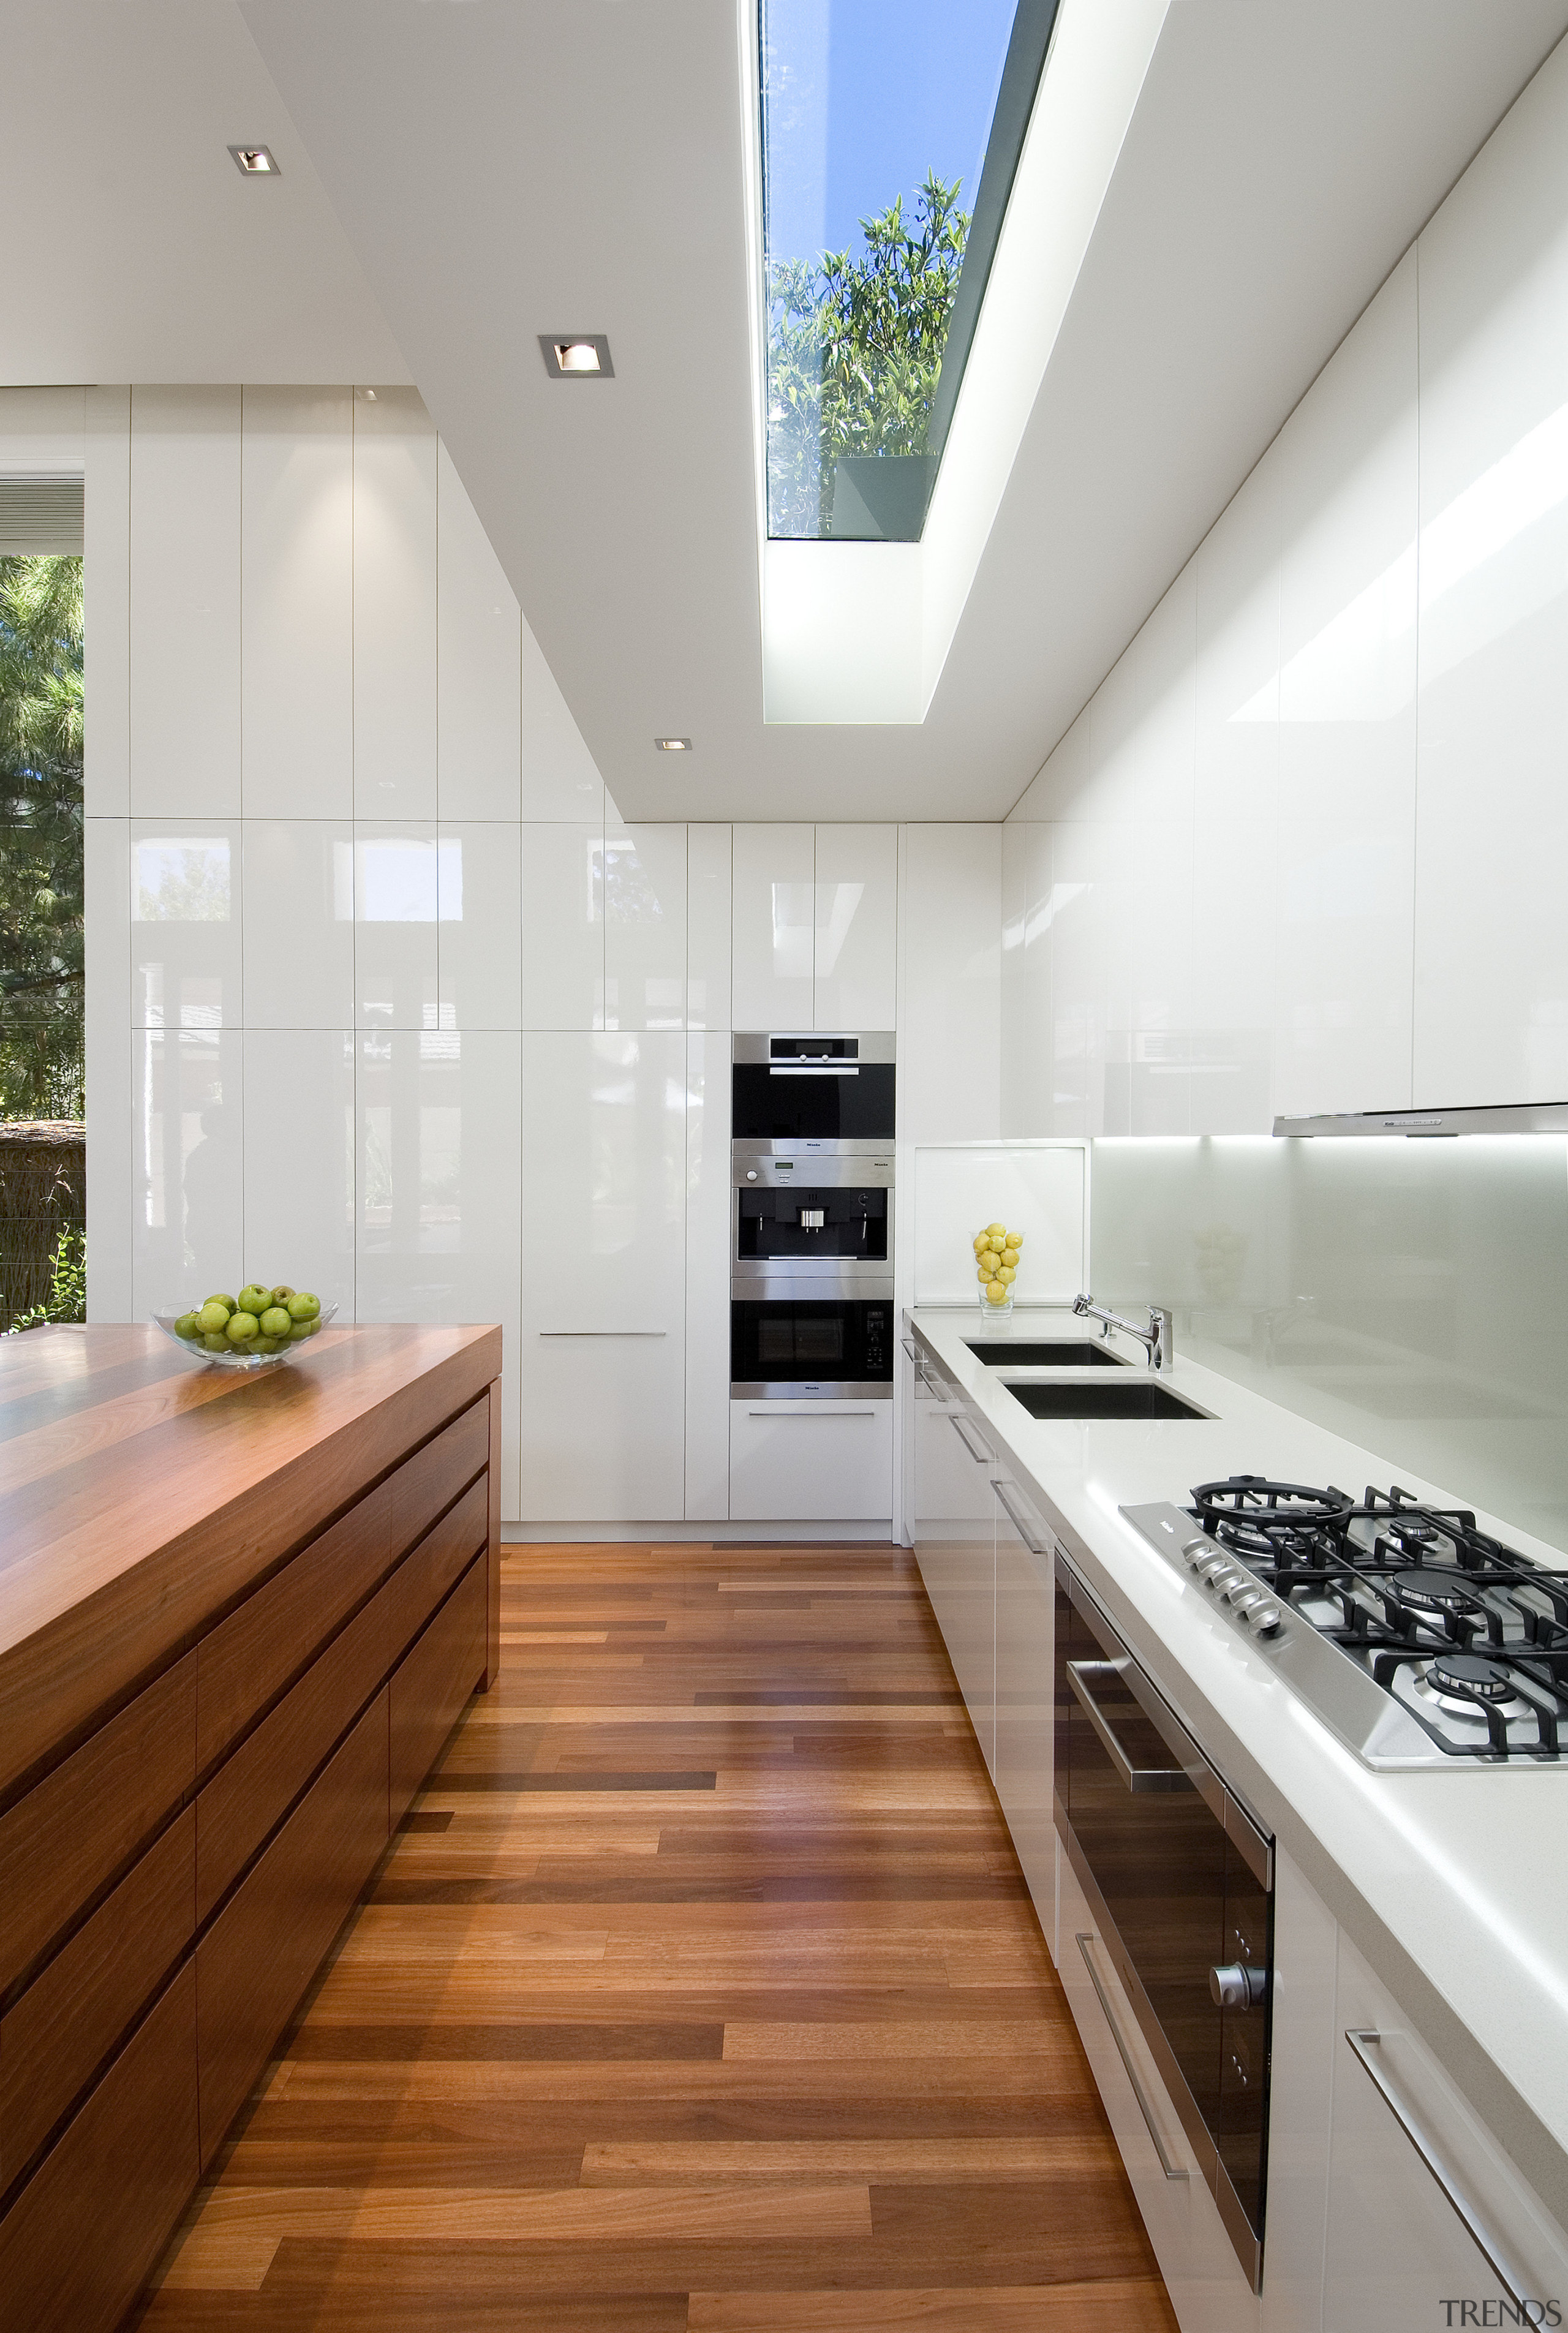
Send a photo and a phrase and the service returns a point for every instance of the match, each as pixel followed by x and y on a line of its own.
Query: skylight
pixel 891 129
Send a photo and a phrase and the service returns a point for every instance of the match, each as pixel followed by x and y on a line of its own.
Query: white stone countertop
pixel 1452 1882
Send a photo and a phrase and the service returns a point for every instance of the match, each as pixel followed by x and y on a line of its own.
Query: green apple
pixel 243 1328
pixel 212 1318
pixel 226 1302
pixel 265 1344
pixel 304 1306
pixel 219 1344
pixel 301 1330
pixel 255 1298
pixel 281 1292
pixel 275 1322
pixel 185 1325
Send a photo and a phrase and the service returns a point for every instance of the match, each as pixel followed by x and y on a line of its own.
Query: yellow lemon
pixel 983 1276
pixel 996 1294
pixel 1008 1273
pixel 997 1231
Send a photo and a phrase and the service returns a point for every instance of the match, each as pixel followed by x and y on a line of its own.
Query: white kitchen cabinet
pixel 707 922
pixel 185 954
pixel 395 901
pixel 810 1461
pixel 955 1545
pixel 298 1215
pixel 1207 2288
pixel 772 915
pixel 395 615
pixel 855 955
pixel 707 1276
pixel 185 603
pixel 604 1172
pixel 950 990
pixel 1409 2163
pixel 297 602
pixel 564 925
pixel 1025 1689
pixel 644 926
pixel 479 681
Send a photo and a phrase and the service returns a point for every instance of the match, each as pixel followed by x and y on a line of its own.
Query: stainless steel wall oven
pixel 797 1091
pixel 1179 1879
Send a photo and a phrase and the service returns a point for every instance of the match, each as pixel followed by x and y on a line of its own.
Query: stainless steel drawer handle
pixel 1021 1523
pixel 1492 2249
pixel 982 1457
pixel 1171 2169
pixel 603 1332
pixel 818 1411
pixel 1136 1778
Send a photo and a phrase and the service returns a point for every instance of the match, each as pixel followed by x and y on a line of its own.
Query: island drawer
pixel 430 1687
pixel 427 1483
pixel 255 1961
pixel 256 1785
pixel 67 2022
pixel 78 2244
pixel 74 1831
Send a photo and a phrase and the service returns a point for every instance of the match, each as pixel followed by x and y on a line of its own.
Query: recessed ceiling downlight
pixel 673 744
pixel 255 162
pixel 576 356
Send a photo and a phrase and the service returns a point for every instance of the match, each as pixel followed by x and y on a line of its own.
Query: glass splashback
pixel 890 132
pixel 1410 1295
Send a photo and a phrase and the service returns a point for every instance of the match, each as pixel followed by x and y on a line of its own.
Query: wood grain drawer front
pixel 62 1842
pixel 249 1657
pixel 434 1682
pixel 78 2244
pixel 66 2022
pixel 260 1954
pixel 442 1556
pixel 431 1478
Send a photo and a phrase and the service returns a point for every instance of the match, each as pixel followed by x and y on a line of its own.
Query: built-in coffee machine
pixel 812 1216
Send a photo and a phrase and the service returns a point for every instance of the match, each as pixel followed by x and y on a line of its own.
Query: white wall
pixel 356 894
pixel 1306 846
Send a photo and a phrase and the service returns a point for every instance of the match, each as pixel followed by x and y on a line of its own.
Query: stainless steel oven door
pixel 825 1222
pixel 794 1347
pixel 1179 1879
pixel 804 1091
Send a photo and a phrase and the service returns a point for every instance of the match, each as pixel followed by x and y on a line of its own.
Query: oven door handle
pixel 815 1069
pixel 1136 1778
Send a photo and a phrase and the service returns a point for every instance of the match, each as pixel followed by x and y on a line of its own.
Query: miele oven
pixel 1179 1880
pixel 823 1221
pixel 785 1347
pixel 793 1093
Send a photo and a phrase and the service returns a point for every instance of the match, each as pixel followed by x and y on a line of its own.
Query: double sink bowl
pixel 1125 1395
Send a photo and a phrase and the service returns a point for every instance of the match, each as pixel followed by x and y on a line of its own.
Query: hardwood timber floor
pixel 701 1993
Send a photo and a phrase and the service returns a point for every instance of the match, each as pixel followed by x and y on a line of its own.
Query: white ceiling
pixel 504 167
pixel 135 251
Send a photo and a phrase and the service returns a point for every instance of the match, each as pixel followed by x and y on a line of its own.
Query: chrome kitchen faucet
pixel 1158 1337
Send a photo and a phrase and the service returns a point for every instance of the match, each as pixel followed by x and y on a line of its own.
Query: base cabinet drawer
pixel 810 1461
pixel 430 1688
pixel 55 2036
pixel 80 2239
pixel 260 1953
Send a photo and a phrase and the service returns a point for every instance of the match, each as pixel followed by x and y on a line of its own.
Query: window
pixel 891 135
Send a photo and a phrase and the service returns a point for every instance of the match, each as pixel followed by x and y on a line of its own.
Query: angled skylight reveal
pixel 890 134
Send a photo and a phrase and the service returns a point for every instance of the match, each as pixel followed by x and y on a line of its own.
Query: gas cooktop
pixel 1417 1636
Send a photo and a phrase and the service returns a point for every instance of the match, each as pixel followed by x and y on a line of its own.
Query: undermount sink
pixel 1063 1353
pixel 1141 1398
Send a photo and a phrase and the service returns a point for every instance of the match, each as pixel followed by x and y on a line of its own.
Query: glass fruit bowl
pixel 238 1357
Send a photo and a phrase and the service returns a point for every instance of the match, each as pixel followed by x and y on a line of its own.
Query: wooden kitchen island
pixel 239 1615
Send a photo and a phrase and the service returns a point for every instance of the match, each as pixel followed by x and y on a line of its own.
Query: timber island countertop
pixel 140 1496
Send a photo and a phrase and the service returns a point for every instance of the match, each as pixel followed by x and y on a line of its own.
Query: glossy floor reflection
pixel 700 1990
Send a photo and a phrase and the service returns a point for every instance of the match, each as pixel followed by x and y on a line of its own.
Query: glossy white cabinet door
pixel 297 890
pixel 1025 1713
pixel 111 1176
pixel 185 924
pixel 559 777
pixel 855 982
pixel 1207 2288
pixel 707 920
pixel 395 629
pixel 604 1174
pixel 955 1538
pixel 395 896
pixel 479 926
pixel 1398 2245
pixel 299 1181
pixel 563 925
pixel 479 630
pixel 773 917
pixel 810 1461
pixel 645 927
pixel 297 460
pixel 950 1017
pixel 707 1276
pixel 185 603
pixel 106 541
pixel 1301 2076
pixel 188 1157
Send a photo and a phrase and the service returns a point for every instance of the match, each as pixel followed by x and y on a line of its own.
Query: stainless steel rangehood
pixel 1492 1118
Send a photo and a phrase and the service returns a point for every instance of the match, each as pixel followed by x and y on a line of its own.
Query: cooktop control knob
pixel 1221 1577
pixel 1245 1600
pixel 1267 1618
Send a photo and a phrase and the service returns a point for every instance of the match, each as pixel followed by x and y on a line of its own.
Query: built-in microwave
pixel 796 1092
pixel 1180 1881
pixel 794 1347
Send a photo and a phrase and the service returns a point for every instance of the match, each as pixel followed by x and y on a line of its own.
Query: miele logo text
pixel 1501 2312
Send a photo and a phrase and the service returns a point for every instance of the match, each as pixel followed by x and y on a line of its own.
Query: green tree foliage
pixel 855 346
pixel 67 1298
pixel 41 990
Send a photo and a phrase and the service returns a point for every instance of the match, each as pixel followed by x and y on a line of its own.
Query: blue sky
pixel 865 95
